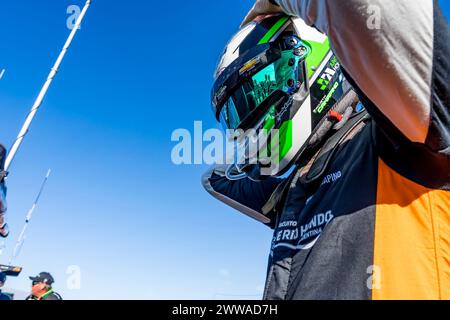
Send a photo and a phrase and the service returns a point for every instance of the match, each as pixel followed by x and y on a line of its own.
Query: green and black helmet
pixel 277 73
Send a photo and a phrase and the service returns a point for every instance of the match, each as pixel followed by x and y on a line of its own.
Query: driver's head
pixel 278 75
pixel 41 283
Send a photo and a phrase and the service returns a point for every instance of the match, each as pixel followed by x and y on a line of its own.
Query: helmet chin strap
pixel 252 172
pixel 233 173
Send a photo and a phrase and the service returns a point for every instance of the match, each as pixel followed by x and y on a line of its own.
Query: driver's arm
pixel 397 52
pixel 244 195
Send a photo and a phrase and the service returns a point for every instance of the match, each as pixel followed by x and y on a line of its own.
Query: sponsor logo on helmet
pixel 322 106
pixel 220 94
pixel 249 66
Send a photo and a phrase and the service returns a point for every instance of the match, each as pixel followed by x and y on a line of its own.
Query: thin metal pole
pixel 21 238
pixel 43 92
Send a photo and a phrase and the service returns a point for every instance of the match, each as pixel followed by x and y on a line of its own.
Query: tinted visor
pixel 287 74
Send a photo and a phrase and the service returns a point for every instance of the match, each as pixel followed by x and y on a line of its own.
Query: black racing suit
pixel 369 217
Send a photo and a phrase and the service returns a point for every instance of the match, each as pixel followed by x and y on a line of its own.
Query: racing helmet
pixel 277 73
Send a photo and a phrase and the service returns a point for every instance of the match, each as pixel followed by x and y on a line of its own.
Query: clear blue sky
pixel 138 226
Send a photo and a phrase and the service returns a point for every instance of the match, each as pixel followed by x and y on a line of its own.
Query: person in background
pixel 3 297
pixel 41 288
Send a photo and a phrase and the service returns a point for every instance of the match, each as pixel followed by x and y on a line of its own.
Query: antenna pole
pixel 21 238
pixel 43 92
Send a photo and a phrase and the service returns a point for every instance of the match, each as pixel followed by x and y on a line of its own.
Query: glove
pixel 261 7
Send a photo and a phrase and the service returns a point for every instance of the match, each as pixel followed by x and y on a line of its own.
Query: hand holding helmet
pixel 261 7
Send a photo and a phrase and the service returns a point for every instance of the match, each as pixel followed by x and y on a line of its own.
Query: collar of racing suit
pixel 44 296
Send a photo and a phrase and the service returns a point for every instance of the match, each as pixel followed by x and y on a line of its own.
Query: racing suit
pixel 49 296
pixel 369 216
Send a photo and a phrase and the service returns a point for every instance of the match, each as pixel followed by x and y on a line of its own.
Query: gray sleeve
pixel 245 195
pixel 387 48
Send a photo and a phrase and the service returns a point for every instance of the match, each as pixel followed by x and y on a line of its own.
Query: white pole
pixel 21 237
pixel 43 92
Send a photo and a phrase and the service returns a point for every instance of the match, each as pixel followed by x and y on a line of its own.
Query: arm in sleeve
pixel 397 52
pixel 247 196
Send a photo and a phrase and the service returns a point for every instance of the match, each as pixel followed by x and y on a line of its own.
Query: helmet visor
pixel 287 74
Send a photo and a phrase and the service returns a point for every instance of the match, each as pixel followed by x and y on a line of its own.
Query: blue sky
pixel 137 226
